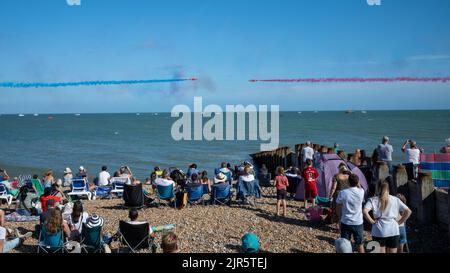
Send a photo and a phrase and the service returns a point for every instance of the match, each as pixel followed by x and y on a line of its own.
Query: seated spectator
pixel 220 178
pixel 194 179
pixel 53 222
pixel 37 186
pixel 247 175
pixel 3 174
pixel 192 169
pixel 9 188
pixel 68 176
pixel 46 197
pixel 6 245
pixel 76 220
pixel 224 169
pixel 157 171
pixel 57 189
pixel 169 243
pixel 165 180
pixel 133 216
pixel 250 243
pixel 103 177
pixel 205 180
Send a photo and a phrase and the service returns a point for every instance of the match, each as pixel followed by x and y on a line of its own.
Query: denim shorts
pixel 356 230
pixel 403 238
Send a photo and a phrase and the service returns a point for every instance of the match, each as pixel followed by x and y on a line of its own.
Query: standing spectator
pixel 281 183
pixel 307 153
pixel 403 240
pixel 48 179
pixel 357 158
pixel 342 155
pixel 412 155
pixel 352 200
pixel 340 182
pixel 385 151
pixel 310 175
pixel 169 243
pixel 385 227
pixel 104 177
pixel 446 149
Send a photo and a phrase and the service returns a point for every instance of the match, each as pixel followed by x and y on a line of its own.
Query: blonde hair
pixel 169 242
pixel 247 169
pixel 384 196
pixel 280 170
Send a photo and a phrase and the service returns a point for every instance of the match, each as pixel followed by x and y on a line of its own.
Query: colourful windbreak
pixel 439 166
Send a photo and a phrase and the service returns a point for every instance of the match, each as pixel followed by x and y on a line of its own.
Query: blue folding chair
pixel 205 189
pixel 165 193
pixel 80 187
pixel 222 194
pixel 50 243
pixel 195 193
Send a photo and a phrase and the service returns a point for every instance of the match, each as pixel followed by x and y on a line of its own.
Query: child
pixel 169 243
pixel 310 175
pixel 402 228
pixel 281 183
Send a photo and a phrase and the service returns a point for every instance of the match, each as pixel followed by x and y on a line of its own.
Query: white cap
pixel 81 168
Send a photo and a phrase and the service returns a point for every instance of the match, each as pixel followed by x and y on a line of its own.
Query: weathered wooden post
pixel 426 209
pixel 382 170
pixel 401 180
pixel 442 208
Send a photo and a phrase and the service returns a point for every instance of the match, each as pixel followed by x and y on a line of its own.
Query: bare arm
pixel 368 217
pixel 404 146
pixel 406 214
pixel 1 245
pixel 333 188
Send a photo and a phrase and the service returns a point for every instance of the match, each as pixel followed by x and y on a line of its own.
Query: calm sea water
pixel 32 144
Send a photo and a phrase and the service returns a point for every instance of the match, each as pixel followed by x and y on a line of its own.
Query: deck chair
pixel 91 239
pixel 118 184
pixel 135 237
pixel 248 192
pixel 195 194
pixel 222 194
pixel 39 187
pixel 50 243
pixel 133 196
pixel 267 187
pixel 165 193
pixel 80 187
pixel 4 195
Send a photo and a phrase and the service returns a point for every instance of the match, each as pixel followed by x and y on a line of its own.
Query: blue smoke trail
pixel 84 83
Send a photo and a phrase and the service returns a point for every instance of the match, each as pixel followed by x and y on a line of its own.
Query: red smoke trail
pixel 359 80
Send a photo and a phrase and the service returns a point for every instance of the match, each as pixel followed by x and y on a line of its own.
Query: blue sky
pixel 224 44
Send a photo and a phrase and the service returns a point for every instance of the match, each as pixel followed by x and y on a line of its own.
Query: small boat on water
pixel 299 112
pixel 36 115
pixel 21 115
pixel 77 115
pixel 138 114
pixel 364 112
pixel 349 111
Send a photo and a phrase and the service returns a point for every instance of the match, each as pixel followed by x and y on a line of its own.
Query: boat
pixel 299 112
pixel 364 112
pixel 138 114
pixel 349 111
pixel 21 115
pixel 36 115
pixel 77 115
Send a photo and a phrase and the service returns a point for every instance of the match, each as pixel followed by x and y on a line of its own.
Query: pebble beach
pixel 219 228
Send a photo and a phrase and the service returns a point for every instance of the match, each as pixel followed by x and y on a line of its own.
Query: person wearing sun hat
pixel 250 243
pixel 94 221
pixel 68 176
pixel 220 178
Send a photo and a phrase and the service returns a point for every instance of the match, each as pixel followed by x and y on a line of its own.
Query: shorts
pixel 403 239
pixel 311 194
pixel 281 194
pixel 356 230
pixel 389 242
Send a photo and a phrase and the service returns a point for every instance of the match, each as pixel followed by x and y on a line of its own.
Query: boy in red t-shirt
pixel 47 196
pixel 310 175
pixel 281 183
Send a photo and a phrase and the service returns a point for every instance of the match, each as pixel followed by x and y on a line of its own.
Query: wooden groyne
pixel 273 159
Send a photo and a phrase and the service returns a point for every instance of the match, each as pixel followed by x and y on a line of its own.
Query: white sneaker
pixel 23 236
pixel 107 249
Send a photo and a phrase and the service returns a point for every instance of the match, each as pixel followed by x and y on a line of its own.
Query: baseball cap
pixel 250 243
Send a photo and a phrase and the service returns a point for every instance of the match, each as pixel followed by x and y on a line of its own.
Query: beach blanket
pixel 16 217
pixel 439 166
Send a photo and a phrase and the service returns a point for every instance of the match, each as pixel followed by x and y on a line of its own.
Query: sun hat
pixel 343 246
pixel 250 243
pixel 94 221
pixel 220 178
pixel 308 142
pixel 67 170
pixel 81 169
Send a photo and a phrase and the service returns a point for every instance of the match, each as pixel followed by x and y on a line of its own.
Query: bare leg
pixel 284 208
pixel 2 218
pixel 278 207
pixel 313 201
pixel 400 248
pixel 306 204
pixel 361 249
pixel 391 250
pixel 382 249
pixel 66 229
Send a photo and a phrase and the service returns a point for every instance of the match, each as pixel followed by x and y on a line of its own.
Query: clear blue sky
pixel 224 44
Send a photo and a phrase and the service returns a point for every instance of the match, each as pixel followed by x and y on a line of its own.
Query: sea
pixel 32 144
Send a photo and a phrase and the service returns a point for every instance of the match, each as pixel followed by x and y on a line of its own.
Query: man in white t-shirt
pixel 103 177
pixel 164 180
pixel 308 152
pixel 412 155
pixel 351 200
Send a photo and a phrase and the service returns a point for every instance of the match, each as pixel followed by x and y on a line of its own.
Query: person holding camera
pixel 412 155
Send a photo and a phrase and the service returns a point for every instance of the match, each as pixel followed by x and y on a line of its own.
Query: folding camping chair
pixel 222 194
pixel 50 243
pixel 4 195
pixel 135 237
pixel 91 239
pixel 195 194
pixel 165 193
pixel 80 187
pixel 133 196
pixel 246 190
pixel 267 187
pixel 118 184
